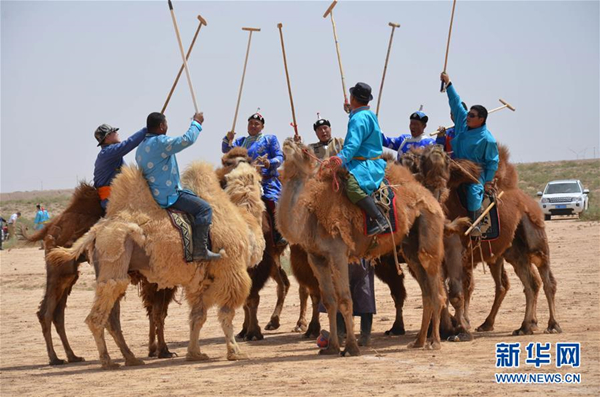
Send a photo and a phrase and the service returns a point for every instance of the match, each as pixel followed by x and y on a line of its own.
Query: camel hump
pixel 507 175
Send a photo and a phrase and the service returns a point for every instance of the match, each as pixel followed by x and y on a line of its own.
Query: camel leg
pixel 253 331
pixel 502 285
pixel 517 256
pixel 322 272
pixel 160 307
pixel 151 335
pixel 550 291
pixel 59 323
pixel 197 319
pixel 341 284
pixel 242 333
pixel 114 328
pixel 107 293
pixel 427 306
pixel 314 328
pixel 226 315
pixel 386 271
pixel 453 266
pixel 468 288
pixel 301 324
pixel 283 286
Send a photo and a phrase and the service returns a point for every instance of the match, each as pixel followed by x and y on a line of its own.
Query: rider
pixel 156 158
pixel 416 139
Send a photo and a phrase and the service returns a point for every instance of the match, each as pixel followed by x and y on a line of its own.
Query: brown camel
pixel 81 214
pixel 308 286
pixel 522 242
pixel 269 266
pixel 136 235
pixel 329 228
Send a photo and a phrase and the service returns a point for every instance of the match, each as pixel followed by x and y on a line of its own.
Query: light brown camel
pixel 82 212
pixel 137 235
pixel 269 266
pixel 329 228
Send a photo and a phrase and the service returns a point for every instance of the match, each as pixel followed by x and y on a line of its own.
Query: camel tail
pixel 61 255
pixel 457 226
pixel 32 238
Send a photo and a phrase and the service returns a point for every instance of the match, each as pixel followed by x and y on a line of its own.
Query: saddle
pixel 385 199
pixel 490 225
pixel 182 221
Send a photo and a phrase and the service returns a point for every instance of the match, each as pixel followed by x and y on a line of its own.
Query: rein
pixel 335 184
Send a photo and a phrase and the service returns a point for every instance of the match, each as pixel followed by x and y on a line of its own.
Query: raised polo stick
pixel 185 66
pixel 483 214
pixel 387 57
pixel 443 87
pixel 506 105
pixel 237 107
pixel 287 76
pixel 187 56
pixel 337 48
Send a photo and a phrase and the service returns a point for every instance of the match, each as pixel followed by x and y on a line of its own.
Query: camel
pixel 269 266
pixel 137 235
pixel 522 242
pixel 329 228
pixel 81 214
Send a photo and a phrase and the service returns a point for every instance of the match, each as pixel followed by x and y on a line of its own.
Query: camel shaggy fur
pixel 137 235
pixel 81 214
pixel 329 228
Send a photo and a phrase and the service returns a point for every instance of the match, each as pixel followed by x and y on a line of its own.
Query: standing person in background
pixel 2 223
pixel 41 217
pixel 12 223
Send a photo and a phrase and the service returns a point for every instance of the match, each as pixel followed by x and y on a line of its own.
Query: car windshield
pixel 568 187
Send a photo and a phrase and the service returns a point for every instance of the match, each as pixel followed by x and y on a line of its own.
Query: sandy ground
pixel 286 364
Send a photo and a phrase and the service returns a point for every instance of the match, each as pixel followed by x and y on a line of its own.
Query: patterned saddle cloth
pixel 385 198
pixel 490 225
pixel 182 221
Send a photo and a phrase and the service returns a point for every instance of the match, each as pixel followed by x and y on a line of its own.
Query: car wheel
pixel 547 217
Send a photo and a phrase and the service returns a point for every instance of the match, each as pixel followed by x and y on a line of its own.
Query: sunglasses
pixel 472 115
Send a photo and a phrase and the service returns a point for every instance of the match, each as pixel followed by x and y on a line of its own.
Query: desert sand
pixel 286 364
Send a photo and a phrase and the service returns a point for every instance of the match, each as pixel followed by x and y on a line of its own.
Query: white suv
pixel 565 197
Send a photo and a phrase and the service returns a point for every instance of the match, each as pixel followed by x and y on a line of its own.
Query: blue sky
pixel 67 67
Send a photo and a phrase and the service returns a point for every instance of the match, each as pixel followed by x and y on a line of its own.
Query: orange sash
pixel 104 192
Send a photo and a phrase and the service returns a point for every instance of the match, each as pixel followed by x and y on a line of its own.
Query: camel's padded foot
pixel 299 328
pixel 57 361
pixel 273 324
pixel 433 345
pixel 165 353
pixel 253 335
pixel 461 337
pixel 76 359
pixel 241 334
pixel 524 330
pixel 237 356
pixel 313 331
pixel 133 362
pixel 196 356
pixel 396 330
pixel 416 345
pixel 110 365
pixel 330 351
pixel 553 328
pixel 352 349
pixel 485 327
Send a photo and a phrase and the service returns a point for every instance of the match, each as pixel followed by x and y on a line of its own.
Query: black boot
pixel 368 204
pixel 473 215
pixel 366 324
pixel 201 251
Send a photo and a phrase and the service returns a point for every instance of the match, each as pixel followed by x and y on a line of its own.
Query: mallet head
pixel 202 20
pixel 252 29
pixel 330 9
pixel 394 25
pixel 508 105
pixel 279 25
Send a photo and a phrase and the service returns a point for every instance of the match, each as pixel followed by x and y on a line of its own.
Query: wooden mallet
pixel 505 105
pixel 387 57
pixel 237 107
pixel 185 65
pixel 287 76
pixel 443 87
pixel 202 21
pixel 337 48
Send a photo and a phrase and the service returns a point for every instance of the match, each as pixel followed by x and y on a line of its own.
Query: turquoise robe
pixel 363 148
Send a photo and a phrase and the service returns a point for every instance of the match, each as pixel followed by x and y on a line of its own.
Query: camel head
pixel 297 160
pixel 435 171
pixel 244 189
pixel 411 160
pixel 230 160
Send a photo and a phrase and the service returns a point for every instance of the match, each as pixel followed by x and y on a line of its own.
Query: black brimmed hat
pixel 102 132
pixel 257 116
pixel 362 92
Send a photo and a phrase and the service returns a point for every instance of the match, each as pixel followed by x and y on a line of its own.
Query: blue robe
pixel 362 150
pixel 477 145
pixel 264 144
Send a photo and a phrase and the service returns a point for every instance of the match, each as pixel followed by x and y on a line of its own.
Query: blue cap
pixel 418 115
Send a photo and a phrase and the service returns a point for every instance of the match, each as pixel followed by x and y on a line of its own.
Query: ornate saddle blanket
pixel 490 225
pixel 182 221
pixel 385 198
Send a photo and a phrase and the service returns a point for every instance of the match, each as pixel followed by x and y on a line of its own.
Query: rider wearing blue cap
pixel 417 137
